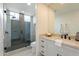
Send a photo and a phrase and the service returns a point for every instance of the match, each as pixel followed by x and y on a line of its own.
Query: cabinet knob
pixel 59 55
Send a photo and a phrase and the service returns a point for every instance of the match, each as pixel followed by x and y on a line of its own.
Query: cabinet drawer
pixel 70 51
pixel 43 42
pixel 43 52
pixel 43 47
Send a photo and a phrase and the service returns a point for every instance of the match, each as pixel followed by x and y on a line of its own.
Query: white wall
pixel 1 30
pixel 45 22
pixel 71 19
pixel 51 20
pixel 41 24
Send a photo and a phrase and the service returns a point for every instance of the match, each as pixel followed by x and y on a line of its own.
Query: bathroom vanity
pixel 55 46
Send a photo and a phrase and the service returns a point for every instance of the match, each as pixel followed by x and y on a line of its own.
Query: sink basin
pixel 58 43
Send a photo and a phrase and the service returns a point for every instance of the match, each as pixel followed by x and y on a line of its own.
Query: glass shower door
pixel 7 29
pixel 27 22
pixel 15 32
pixel 30 24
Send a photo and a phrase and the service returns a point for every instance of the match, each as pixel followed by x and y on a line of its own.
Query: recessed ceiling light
pixel 28 3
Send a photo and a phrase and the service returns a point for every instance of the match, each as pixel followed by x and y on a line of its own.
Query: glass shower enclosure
pixel 18 30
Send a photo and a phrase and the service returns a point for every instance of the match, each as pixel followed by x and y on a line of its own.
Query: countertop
pixel 68 42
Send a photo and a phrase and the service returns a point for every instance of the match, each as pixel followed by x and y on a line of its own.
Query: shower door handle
pixel 6 32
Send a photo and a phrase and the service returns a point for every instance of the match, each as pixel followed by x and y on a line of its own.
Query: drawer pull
pixel 6 32
pixel 42 41
pixel 42 51
pixel 41 54
pixel 42 46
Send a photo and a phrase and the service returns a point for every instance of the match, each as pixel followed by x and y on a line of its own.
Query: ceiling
pixel 21 8
pixel 61 8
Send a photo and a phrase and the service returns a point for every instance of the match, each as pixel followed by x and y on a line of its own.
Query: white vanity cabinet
pixel 51 48
pixel 70 51
pixel 59 51
pixel 47 47
pixel 43 47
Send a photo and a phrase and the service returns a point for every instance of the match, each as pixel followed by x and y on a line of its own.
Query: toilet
pixel 33 45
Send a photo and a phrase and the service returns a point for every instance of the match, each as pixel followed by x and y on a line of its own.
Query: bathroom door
pixel 7 29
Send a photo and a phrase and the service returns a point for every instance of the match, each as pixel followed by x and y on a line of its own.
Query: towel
pixel 58 43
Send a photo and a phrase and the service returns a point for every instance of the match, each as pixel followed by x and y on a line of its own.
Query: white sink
pixel 58 42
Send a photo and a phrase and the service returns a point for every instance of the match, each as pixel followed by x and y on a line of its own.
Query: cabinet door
pixel 51 49
pixel 59 50
pixel 70 51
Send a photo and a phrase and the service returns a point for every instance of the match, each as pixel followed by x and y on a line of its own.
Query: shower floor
pixel 16 44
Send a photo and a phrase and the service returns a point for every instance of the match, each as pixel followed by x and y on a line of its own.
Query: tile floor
pixel 25 51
